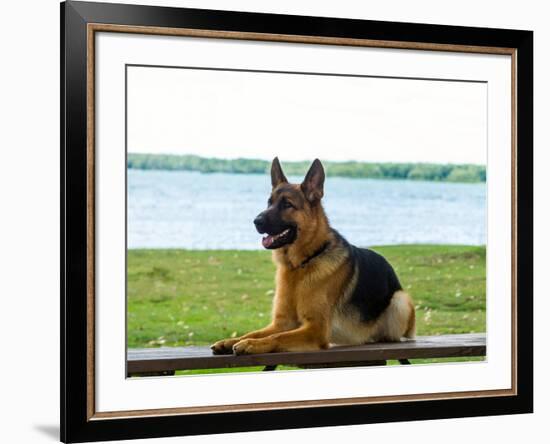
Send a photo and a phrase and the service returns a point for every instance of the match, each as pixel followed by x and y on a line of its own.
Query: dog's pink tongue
pixel 267 241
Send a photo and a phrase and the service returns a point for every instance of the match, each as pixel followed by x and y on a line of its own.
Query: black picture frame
pixel 76 426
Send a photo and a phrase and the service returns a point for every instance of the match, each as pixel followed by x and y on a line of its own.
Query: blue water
pixel 177 209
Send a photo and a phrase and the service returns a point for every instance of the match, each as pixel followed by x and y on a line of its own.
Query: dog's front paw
pixel 224 347
pixel 253 346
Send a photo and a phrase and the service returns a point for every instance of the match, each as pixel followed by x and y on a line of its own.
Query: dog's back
pixel 373 305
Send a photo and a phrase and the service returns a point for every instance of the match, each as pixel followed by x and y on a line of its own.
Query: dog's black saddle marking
pixel 376 281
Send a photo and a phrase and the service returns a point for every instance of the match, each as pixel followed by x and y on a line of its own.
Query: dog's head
pixel 291 208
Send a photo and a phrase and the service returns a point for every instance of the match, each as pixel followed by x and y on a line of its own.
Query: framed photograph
pixel 275 221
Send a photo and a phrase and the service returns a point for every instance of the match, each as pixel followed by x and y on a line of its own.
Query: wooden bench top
pixel 163 359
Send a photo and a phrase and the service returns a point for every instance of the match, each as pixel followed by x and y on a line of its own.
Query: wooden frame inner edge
pixel 90 219
pixel 290 38
pixel 264 406
pixel 92 28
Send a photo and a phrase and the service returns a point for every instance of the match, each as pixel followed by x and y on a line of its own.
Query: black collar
pixel 318 252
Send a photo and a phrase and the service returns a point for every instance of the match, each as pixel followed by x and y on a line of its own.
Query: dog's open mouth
pixel 272 241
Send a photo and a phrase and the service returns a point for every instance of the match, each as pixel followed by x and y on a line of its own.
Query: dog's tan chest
pixel 308 293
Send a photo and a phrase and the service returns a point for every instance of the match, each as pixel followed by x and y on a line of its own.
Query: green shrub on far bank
pixel 364 170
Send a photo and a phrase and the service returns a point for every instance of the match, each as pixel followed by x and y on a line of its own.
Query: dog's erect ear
pixel 277 175
pixel 312 186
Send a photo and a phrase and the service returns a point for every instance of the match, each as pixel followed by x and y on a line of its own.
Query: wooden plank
pixel 187 358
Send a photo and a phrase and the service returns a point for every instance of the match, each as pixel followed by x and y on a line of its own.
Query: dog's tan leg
pixel 279 324
pixel 311 336
pixel 398 320
pixel 225 346
pixel 284 319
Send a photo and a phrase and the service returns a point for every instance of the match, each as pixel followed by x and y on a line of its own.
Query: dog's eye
pixel 287 204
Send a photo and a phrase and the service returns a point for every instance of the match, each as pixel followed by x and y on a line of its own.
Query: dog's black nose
pixel 259 221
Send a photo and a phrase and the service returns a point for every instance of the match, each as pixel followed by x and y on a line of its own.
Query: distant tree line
pixel 413 171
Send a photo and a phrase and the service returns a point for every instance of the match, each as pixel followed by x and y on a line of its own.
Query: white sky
pixel 300 117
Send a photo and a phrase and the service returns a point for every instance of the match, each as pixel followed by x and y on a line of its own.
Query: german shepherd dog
pixel 327 290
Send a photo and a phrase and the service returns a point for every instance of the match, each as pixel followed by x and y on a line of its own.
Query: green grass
pixel 183 297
